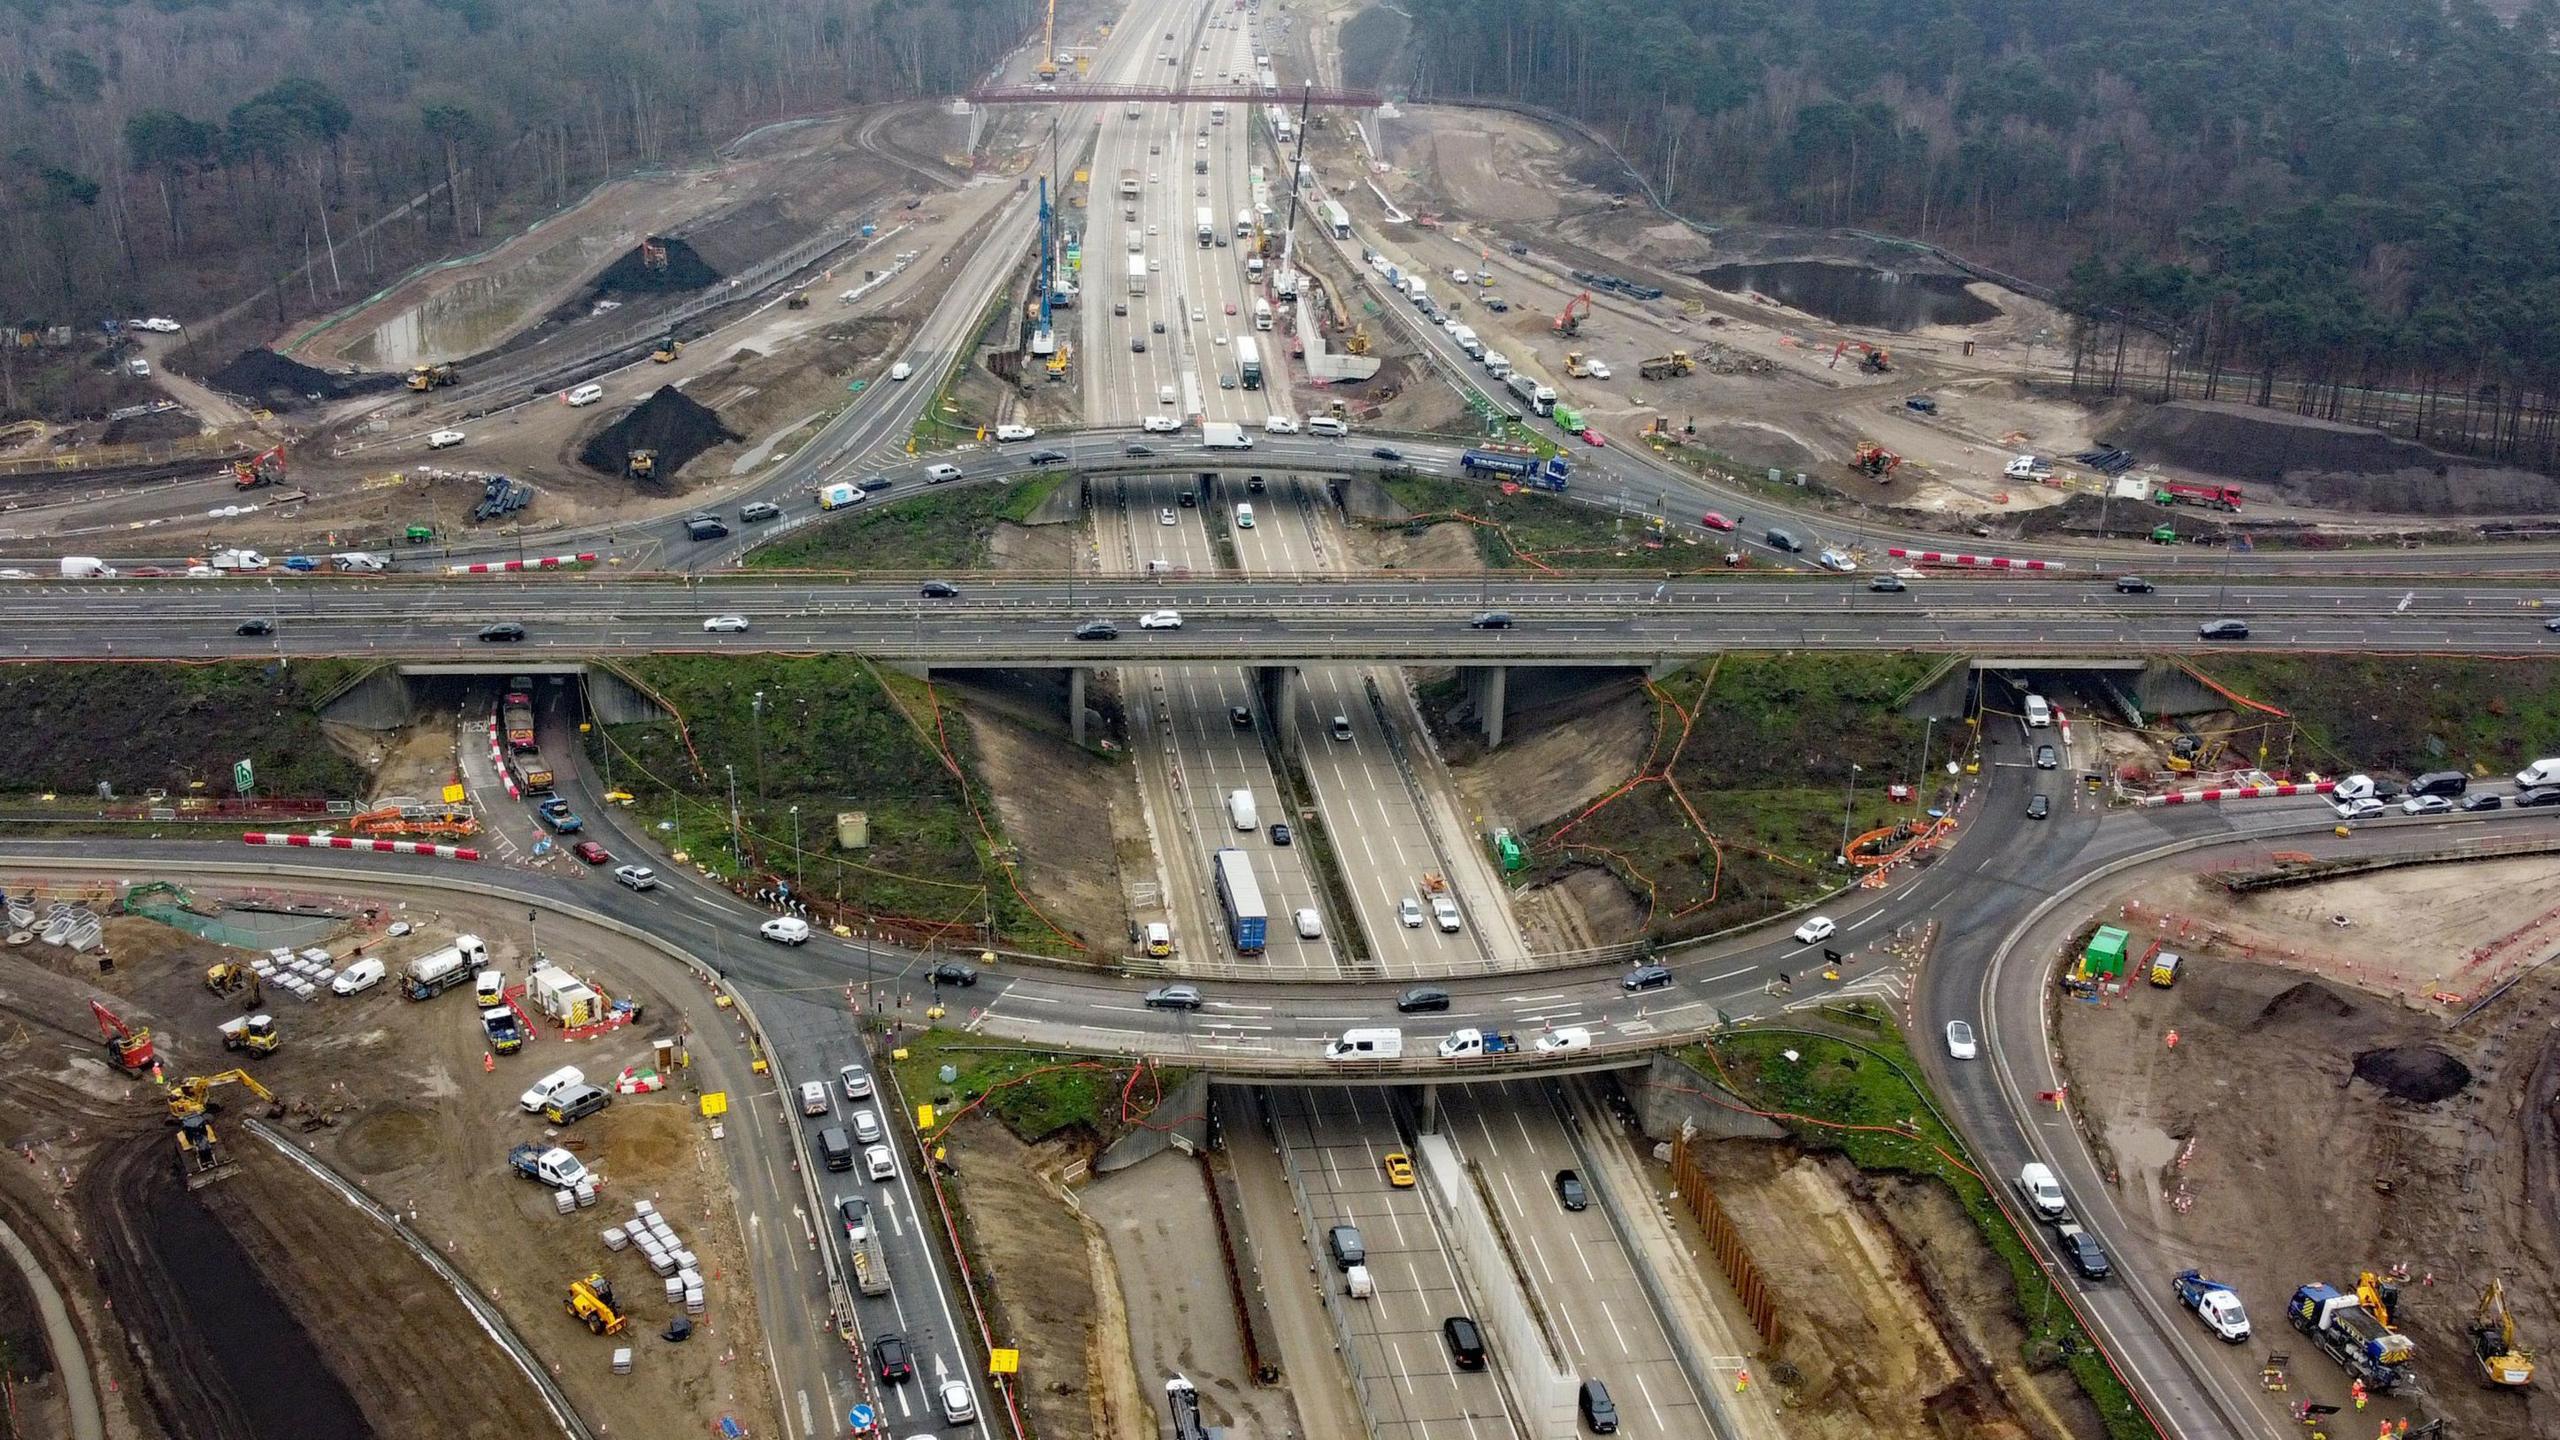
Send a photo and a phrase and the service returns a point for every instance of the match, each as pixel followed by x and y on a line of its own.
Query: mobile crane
pixel 1048 66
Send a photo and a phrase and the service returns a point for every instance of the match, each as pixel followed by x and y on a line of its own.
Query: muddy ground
pixel 1896 1314
pixel 413 1118
pixel 1054 802
pixel 2315 1118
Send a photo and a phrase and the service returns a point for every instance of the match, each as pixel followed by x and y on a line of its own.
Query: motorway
pixel 1001 620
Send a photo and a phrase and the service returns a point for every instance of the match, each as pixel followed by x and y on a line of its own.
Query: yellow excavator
pixel 227 978
pixel 591 1300
pixel 187 1098
pixel 2493 1340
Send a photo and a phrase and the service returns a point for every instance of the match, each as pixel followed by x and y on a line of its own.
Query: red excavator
pixel 128 1046
pixel 263 468
pixel 1871 359
pixel 1569 323
pixel 1875 460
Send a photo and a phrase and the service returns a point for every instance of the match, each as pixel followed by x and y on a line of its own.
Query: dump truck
pixel 437 971
pixel 423 378
pixel 1471 1044
pixel 2213 1302
pixel 517 714
pixel 256 1034
pixel 506 1032
pixel 532 771
pixel 2362 1343
pixel 1663 367
pixel 549 1164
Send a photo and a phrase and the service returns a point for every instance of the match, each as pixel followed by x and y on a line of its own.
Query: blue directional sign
pixel 860 1417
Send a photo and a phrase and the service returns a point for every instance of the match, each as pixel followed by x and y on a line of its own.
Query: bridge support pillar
pixel 1426 1110
pixel 1486 685
pixel 1276 686
pixel 1075 703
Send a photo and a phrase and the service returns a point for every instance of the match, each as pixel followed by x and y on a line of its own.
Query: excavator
pixel 127 1045
pixel 423 378
pixel 653 255
pixel 1871 359
pixel 227 978
pixel 1663 367
pixel 642 465
pixel 2493 1340
pixel 188 1097
pixel 1875 461
pixel 264 468
pixel 591 1300
pixel 1569 321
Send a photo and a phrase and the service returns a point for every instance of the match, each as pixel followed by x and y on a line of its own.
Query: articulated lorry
pixel 1540 399
pixel 1516 463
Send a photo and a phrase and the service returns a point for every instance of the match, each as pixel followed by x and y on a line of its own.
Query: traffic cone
pixel 488 1062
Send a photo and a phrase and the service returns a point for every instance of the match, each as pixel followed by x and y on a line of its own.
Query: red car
pixel 1594 439
pixel 1714 521
pixel 591 852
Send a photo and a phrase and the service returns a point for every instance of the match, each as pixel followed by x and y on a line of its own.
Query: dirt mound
pixel 141 429
pixel 668 422
pixel 2419 1074
pixel 632 275
pixel 2307 1003
pixel 281 384
pixel 2321 462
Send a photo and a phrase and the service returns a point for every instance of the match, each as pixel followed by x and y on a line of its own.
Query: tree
pixel 170 147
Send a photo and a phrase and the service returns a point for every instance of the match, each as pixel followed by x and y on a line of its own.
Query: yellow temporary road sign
pixel 1004 1362
pixel 715 1103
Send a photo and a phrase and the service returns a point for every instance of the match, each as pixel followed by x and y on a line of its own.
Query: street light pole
pixel 799 857
pixel 736 850
pixel 1922 778
pixel 1848 806
pixel 758 704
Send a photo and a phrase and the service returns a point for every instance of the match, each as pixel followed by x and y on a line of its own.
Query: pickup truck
pixel 551 1165
pixel 1470 1043
pixel 2214 1303
pixel 506 1032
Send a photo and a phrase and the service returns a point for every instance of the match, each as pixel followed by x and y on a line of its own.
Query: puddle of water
pixel 1857 294
pixel 242 1329
pixel 472 315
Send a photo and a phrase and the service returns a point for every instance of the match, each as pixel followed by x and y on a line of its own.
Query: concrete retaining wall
pixel 1542 1389
pixel 1669 1094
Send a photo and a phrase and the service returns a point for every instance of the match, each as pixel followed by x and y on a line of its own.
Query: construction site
pixel 2375 1053
pixel 256 1153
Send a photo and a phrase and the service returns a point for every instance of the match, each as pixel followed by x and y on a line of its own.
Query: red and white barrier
pixel 348 842
pixel 1983 562
pixel 541 562
pixel 2238 792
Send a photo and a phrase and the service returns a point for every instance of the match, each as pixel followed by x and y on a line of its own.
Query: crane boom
pixel 1048 67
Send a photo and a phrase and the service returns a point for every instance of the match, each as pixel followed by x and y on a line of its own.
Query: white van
pixel 901 370
pixel 937 474
pixel 1006 433
pixel 1159 938
pixel 585 395
pixel 1327 425
pixel 489 987
pixel 1376 1044
pixel 813 1098
pixel 1240 810
pixel 2538 774
pixel 2039 714
pixel 1244 517
pixel 1164 394
pixel 1279 425
pixel 785 930
pixel 550 1085
pixel 1358 1283
pixel 1563 1038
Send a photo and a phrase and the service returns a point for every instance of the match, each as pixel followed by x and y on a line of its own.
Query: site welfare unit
pixel 563 996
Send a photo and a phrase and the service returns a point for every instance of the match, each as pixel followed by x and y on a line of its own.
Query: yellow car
pixel 1399 1170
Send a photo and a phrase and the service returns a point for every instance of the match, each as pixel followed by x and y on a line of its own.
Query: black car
pixel 2552 624
pixel 1046 457
pixel 1138 450
pixel 1887 585
pixel 1173 997
pixel 952 972
pixel 1279 833
pixel 2481 802
pixel 1421 998
pixel 1387 453
pixel 1598 1410
pixel 1157 327
pixel 497 634
pixel 2223 630
pixel 2039 806
pixel 2046 759
pixel 2087 1255
pixel 1570 1191
pixel 1466 1342
pixel 254 627
pixel 889 1357
pixel 1492 620
pixel 2133 585
pixel 2528 799
pixel 1137 344
pixel 1097 630
pixel 1646 977
pixel 939 590
pixel 856 1214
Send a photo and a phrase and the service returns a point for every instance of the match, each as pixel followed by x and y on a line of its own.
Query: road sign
pixel 715 1103
pixel 924 1115
pixel 1004 1362
pixel 860 1418
pixel 244 777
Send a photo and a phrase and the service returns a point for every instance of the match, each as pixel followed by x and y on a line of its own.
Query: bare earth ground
pixel 1046 1273
pixel 1052 800
pixel 1871 1342
pixel 1180 1320
pixel 422 1127
pixel 2251 1149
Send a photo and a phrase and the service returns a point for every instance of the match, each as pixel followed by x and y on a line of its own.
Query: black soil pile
pixel 2419 1074
pixel 2309 1002
pixel 269 379
pixel 667 422
pixel 685 271
pixel 142 429
pixel 2327 464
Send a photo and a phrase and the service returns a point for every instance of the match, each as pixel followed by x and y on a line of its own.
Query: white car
pixel 1160 620
pixel 901 370
pixel 584 395
pixel 957 1404
pixel 445 439
pixel 1165 516
pixel 785 930
pixel 157 325
pixel 1409 910
pixel 1160 424
pixel 1960 1040
pixel 1815 930
pixel 1005 434
pixel 362 975
pixel 1197 315
pixel 1444 913
pixel 1833 560
pixel 726 625
pixel 1279 425
pixel 856 1082
pixel 1599 369
pixel 879 1163
pixel 636 877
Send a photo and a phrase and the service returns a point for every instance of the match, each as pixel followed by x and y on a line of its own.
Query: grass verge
pixel 1537 531
pixel 1034 1093
pixel 2406 715
pixel 1863 1099
pixel 938 530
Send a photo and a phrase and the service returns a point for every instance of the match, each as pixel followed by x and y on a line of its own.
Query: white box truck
pixel 1240 810
pixel 1244 222
pixel 1224 435
pixel 1137 274
pixel 1207 224
pixel 1261 313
